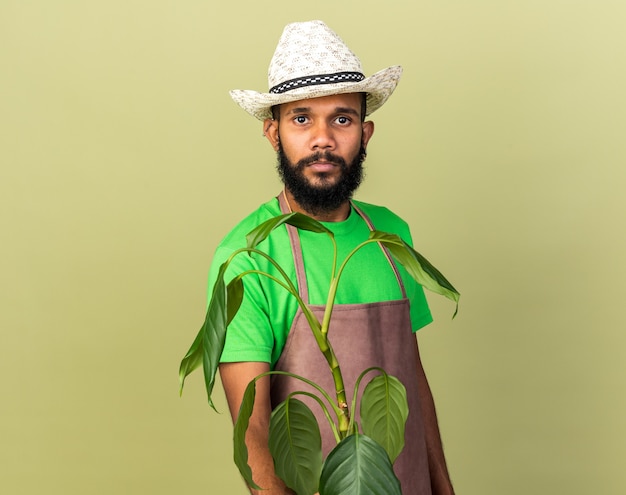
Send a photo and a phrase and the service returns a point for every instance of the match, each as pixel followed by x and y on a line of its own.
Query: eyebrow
pixel 347 110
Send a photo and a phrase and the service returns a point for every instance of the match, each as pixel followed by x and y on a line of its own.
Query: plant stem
pixel 344 419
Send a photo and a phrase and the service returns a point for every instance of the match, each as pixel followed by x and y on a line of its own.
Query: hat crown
pixel 312 61
pixel 308 49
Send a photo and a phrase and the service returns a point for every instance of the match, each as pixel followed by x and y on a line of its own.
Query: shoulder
pixel 236 238
pixel 385 220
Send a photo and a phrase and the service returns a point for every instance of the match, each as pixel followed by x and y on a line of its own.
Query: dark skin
pixel 334 123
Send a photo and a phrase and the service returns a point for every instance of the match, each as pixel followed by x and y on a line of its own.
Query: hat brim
pixel 378 88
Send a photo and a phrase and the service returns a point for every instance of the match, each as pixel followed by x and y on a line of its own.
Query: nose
pixel 323 137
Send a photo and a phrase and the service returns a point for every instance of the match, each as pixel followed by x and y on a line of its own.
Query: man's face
pixel 321 145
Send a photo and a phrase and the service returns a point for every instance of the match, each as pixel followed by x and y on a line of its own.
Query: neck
pixel 337 215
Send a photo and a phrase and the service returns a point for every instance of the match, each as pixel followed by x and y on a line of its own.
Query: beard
pixel 326 196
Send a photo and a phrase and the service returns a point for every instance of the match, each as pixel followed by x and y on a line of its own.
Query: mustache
pixel 322 155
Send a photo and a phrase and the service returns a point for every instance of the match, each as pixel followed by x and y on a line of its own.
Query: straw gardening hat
pixel 311 61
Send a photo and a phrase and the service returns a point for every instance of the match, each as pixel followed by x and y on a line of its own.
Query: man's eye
pixel 343 120
pixel 300 119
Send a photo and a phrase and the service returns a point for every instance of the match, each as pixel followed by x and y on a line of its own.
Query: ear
pixel 368 131
pixel 270 131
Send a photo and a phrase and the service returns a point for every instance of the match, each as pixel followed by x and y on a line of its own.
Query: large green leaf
pixel 208 345
pixel 296 446
pixel 214 336
pixel 239 434
pixel 358 466
pixel 384 411
pixel 298 220
pixel 417 266
pixel 192 359
pixel 234 297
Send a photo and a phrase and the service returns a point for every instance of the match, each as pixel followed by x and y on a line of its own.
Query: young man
pixel 314 118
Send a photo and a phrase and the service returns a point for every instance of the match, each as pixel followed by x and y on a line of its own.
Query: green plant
pixel 294 433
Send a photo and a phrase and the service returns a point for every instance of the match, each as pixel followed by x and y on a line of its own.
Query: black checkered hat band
pixel 317 80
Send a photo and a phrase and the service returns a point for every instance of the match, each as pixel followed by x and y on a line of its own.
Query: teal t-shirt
pixel 260 329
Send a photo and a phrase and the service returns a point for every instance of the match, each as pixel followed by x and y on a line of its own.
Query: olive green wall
pixel 123 161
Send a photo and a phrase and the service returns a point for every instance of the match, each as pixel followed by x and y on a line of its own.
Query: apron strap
pixel 386 252
pixel 296 249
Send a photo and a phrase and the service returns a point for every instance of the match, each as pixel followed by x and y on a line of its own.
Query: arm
pixel 439 477
pixel 235 378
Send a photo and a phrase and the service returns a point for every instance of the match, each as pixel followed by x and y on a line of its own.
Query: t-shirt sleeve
pixel 420 312
pixel 249 336
pixel 390 222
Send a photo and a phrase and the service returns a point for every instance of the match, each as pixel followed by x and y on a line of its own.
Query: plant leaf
pixel 384 411
pixel 240 452
pixel 191 361
pixel 234 297
pixel 305 222
pixel 260 233
pixel 358 466
pixel 417 266
pixel 296 446
pixel 208 345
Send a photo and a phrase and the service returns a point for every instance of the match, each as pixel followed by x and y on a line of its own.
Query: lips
pixel 322 166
